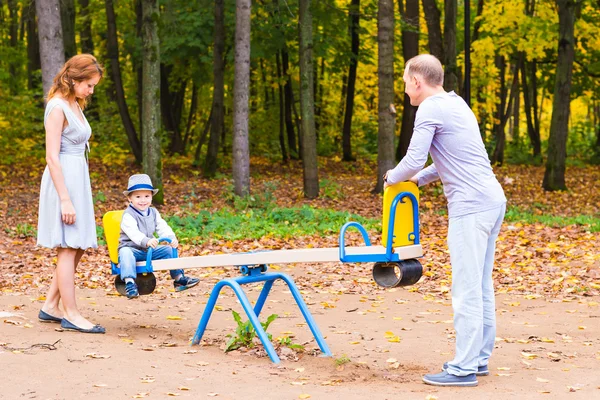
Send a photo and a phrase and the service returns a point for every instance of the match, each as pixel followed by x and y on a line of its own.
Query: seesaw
pixel 395 264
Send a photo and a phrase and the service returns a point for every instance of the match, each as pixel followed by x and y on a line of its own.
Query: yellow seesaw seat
pixel 112 230
pixel 403 222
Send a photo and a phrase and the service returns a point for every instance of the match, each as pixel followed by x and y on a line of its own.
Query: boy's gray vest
pixel 146 225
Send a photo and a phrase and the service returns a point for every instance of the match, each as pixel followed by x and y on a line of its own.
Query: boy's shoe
pixel 184 283
pixel 482 370
pixel 446 379
pixel 131 290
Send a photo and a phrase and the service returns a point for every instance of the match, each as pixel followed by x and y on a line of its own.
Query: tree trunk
pixel 191 117
pixel 342 100
pixel 217 119
pixel 287 89
pixel 529 84
pixel 289 103
pixel 112 48
pixel 171 109
pixel 385 74
pixel 554 177
pixel 432 17
pixel 33 48
pixel 355 44
pixel 450 68
pixel 263 78
pixel 52 53
pixel 516 113
pixel 307 103
pixel 410 48
pixel 137 66
pixel 477 25
pixel 67 16
pixel 241 89
pixel 13 30
pixel 319 100
pixel 597 126
pixel 152 160
pixel 253 89
pixel 203 138
pixel 87 42
pixel 503 110
pixel 284 155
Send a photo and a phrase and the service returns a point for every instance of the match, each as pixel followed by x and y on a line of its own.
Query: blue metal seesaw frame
pixel 258 273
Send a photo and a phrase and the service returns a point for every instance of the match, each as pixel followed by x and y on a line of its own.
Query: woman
pixel 66 214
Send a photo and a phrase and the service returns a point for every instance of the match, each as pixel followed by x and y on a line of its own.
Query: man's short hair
pixel 429 67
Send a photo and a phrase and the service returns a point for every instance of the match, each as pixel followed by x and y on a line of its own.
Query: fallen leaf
pixel 94 355
pixel 174 317
pixel 529 356
pixel 100 385
pixel 542 380
pixel 140 395
pixel 304 396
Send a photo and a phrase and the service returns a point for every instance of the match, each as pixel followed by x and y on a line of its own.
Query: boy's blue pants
pixel 128 256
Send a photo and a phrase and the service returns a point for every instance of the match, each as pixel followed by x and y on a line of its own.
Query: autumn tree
pixel 151 146
pixel 409 14
pixel 52 53
pixel 307 104
pixel 241 91
pixel 385 74
pixel 112 50
pixel 554 177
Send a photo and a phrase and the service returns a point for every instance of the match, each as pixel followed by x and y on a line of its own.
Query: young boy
pixel 140 222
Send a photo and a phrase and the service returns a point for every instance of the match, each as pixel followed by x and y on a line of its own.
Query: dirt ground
pixel 382 343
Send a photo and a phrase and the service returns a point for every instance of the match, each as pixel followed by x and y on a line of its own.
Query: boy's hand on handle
pixel 152 243
pixel 414 180
pixel 174 243
pixel 67 212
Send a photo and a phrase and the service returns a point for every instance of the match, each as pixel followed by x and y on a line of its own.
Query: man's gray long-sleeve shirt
pixel 446 128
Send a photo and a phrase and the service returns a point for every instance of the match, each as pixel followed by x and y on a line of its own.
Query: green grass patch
pixel 514 214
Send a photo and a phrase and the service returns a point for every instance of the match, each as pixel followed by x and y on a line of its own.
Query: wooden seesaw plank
pixel 316 255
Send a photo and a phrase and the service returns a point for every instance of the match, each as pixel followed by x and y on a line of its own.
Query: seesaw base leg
pixel 252 313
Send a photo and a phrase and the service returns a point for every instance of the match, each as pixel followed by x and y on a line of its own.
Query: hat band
pixel 141 186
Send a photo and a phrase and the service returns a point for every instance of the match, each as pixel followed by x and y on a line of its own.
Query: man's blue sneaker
pixel 184 283
pixel 446 379
pixel 482 370
pixel 131 290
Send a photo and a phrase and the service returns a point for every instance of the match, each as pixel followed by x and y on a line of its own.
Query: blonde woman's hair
pixel 429 67
pixel 79 68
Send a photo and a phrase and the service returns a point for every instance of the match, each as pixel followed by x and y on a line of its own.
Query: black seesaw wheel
pixel 393 274
pixel 146 284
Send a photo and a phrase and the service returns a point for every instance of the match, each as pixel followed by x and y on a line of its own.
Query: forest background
pixel 247 91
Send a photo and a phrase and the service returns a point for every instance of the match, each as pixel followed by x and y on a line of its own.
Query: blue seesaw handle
pixel 151 250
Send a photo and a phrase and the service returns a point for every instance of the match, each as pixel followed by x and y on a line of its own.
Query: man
pixel 446 128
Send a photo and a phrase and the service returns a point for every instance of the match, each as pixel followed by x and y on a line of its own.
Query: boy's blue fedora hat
pixel 139 182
